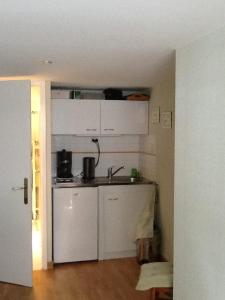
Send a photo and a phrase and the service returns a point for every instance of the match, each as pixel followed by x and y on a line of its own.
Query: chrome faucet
pixel 111 173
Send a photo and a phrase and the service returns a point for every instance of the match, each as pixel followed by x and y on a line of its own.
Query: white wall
pixel 157 158
pixel 117 151
pixel 200 170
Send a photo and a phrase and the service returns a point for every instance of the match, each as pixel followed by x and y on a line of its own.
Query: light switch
pixel 166 119
pixel 155 115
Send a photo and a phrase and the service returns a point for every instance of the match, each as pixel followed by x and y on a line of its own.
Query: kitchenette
pixel 98 193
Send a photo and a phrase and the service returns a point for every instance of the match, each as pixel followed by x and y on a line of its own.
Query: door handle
pixel 25 191
pixel 25 188
pixel 17 188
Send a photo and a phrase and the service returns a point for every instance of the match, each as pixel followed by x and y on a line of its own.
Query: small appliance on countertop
pixel 88 168
pixel 64 166
pixel 89 164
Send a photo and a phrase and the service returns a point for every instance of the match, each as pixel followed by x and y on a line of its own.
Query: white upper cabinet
pixel 99 117
pixel 124 117
pixel 81 117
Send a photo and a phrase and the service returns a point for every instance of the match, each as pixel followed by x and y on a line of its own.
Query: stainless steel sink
pixel 116 180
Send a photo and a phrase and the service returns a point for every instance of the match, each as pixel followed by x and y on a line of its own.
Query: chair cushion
pixel 158 274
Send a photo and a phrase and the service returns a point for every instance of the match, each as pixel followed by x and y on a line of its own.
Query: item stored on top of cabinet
pixel 77 94
pixel 137 96
pixel 60 94
pixel 87 94
pixel 113 94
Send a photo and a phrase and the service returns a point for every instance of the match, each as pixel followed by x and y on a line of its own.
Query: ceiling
pixel 100 43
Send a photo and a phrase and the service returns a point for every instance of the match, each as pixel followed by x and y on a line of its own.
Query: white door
pixel 15 198
pixel 81 117
pixel 124 117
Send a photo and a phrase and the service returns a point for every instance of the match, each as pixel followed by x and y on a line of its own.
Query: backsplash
pixel 115 150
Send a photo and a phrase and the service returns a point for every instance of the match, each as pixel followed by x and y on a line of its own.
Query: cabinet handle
pixel 109 129
pixel 76 194
pixel 91 129
pixel 113 199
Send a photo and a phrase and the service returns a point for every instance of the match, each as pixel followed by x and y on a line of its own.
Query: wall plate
pixel 155 117
pixel 166 119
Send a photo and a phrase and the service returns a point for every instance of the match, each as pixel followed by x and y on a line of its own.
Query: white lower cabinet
pixel 75 215
pixel 119 209
pixel 92 223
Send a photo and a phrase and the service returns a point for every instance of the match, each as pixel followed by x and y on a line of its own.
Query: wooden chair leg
pixel 152 294
pixel 157 293
pixel 164 293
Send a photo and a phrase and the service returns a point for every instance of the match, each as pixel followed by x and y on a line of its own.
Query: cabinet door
pixel 124 117
pixel 120 207
pixel 81 117
pixel 75 224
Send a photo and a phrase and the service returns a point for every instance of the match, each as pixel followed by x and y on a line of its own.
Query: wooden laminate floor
pixel 106 280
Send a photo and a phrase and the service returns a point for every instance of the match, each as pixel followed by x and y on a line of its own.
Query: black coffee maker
pixel 64 164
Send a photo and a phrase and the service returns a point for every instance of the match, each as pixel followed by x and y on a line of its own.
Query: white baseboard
pixel 118 254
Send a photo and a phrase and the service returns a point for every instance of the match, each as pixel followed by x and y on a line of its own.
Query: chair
pixel 158 278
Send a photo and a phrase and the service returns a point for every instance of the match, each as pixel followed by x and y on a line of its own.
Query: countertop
pixel 99 181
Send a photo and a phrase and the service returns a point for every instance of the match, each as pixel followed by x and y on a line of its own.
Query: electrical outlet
pixel 166 119
pixel 155 115
pixel 94 140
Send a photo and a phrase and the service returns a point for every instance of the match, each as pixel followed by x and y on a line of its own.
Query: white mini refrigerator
pixel 75 215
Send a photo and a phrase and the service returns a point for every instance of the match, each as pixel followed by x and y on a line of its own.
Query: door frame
pixel 45 164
